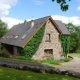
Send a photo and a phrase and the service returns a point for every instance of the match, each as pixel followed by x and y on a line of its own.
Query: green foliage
pixel 50 61
pixel 4 53
pixel 74 54
pixel 63 4
pixel 21 58
pixel 13 74
pixel 33 44
pixel 3 28
pixel 74 37
pixel 71 43
pixel 65 44
pixel 65 59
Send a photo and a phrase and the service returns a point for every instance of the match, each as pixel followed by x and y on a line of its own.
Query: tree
pixel 3 28
pixel 65 44
pixel 74 37
pixel 63 4
pixel 71 43
pixel 78 38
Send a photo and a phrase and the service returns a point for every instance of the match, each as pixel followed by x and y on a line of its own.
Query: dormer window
pixel 48 37
pixel 16 37
pixel 3 37
pixel 7 37
pixel 23 36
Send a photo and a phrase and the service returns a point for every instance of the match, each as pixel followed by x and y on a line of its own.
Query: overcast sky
pixel 16 11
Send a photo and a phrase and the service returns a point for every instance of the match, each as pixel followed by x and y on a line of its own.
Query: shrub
pixel 50 61
pixel 66 59
pixel 4 53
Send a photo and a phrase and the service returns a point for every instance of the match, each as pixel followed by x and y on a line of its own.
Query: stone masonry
pixel 53 45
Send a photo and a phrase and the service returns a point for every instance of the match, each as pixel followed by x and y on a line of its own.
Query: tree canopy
pixel 3 28
pixel 71 43
pixel 64 5
pixel 74 37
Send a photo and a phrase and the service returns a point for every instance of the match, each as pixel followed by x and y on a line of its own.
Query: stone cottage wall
pixel 54 43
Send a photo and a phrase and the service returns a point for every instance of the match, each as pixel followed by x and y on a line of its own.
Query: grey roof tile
pixel 62 27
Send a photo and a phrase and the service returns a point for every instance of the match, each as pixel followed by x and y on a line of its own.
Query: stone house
pixel 21 34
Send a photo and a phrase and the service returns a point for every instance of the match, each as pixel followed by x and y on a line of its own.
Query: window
pixel 23 36
pixel 7 37
pixel 48 37
pixel 16 37
pixel 48 52
pixel 3 37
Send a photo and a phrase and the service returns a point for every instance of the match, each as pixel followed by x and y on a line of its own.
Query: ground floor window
pixel 48 52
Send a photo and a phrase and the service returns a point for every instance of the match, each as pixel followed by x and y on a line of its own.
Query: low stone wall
pixel 37 67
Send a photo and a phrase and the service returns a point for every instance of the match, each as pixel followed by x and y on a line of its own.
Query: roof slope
pixel 62 27
pixel 20 34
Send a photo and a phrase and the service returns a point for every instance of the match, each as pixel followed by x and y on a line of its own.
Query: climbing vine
pixel 65 44
pixel 32 46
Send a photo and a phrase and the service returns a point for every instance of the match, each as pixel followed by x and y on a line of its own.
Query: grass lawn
pixel 13 74
pixel 74 54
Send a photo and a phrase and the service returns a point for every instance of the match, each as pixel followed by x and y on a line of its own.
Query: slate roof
pixel 62 27
pixel 20 34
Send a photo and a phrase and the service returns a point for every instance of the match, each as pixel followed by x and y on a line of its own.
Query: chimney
pixel 32 23
pixel 25 22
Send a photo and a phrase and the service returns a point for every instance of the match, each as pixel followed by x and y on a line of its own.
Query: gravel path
pixel 75 63
pixel 72 65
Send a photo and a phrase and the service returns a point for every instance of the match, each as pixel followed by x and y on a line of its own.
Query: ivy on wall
pixel 32 46
pixel 65 43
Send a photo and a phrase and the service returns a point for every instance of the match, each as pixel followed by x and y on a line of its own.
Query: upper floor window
pixel 48 37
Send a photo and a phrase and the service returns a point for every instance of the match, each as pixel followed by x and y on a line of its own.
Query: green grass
pixel 13 74
pixel 74 54
pixel 50 61
pixel 19 58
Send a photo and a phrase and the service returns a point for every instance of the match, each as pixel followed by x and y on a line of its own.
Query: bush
pixel 4 53
pixel 66 59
